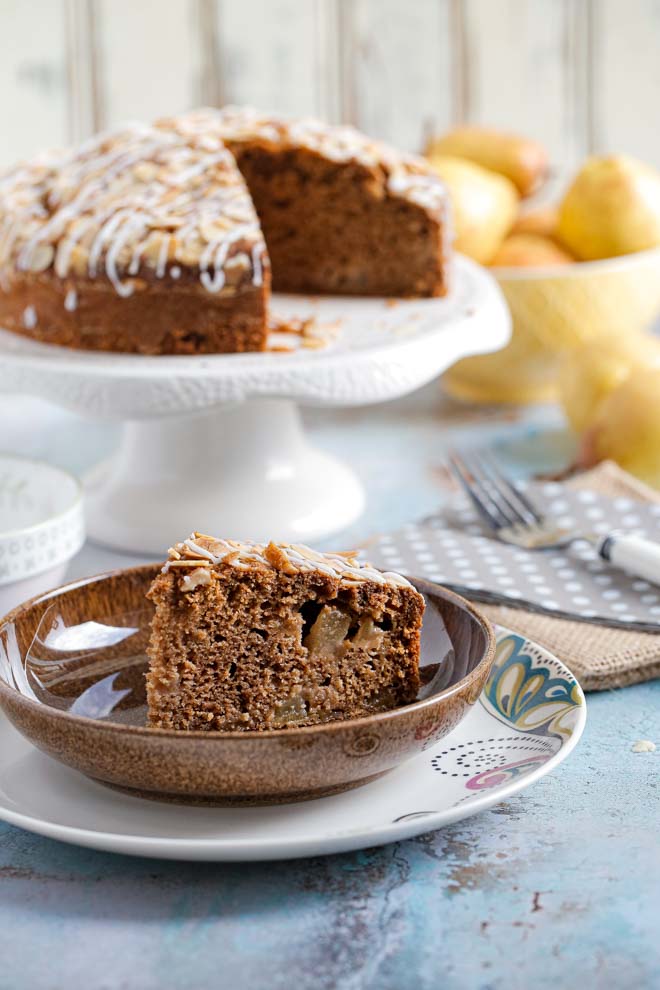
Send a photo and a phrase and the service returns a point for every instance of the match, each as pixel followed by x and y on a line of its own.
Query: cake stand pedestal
pixel 247 469
pixel 216 443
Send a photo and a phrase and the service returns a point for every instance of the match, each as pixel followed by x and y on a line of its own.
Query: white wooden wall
pixel 578 74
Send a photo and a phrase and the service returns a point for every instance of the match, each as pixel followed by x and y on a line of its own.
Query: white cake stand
pixel 216 443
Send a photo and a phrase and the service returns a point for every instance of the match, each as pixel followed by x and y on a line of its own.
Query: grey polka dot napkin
pixel 454 548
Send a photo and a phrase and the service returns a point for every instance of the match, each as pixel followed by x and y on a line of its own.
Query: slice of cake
pixel 141 240
pixel 248 636
pixel 341 213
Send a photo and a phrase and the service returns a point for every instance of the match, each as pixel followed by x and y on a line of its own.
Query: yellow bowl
pixel 554 309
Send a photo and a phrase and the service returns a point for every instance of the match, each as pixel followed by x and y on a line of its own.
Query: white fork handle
pixel 633 554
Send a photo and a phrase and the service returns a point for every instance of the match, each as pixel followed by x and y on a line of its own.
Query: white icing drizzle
pixel 126 203
pixel 29 317
pixel 219 250
pixel 257 266
pixel 71 301
pixel 407 177
pixel 161 265
pixel 130 202
pixel 299 557
pixel 130 226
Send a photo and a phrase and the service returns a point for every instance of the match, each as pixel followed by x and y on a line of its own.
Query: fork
pixel 515 519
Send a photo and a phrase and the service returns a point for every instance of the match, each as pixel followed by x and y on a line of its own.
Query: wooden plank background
pixel 580 75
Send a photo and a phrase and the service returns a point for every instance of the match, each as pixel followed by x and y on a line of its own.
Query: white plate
pixel 529 718
pixel 191 410
pixel 383 350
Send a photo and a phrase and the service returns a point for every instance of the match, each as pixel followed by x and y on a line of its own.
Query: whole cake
pixel 247 636
pixel 160 239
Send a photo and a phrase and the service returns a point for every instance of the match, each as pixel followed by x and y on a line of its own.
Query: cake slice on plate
pixel 250 636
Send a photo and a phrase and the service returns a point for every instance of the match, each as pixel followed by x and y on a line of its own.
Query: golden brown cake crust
pixel 247 636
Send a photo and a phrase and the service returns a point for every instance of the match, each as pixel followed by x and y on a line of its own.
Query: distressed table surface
pixel 558 887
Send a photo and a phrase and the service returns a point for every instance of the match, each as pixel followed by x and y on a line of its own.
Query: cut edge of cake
pixel 146 238
pixel 255 636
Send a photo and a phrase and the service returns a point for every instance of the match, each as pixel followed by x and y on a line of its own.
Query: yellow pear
pixel 484 205
pixel 529 251
pixel 541 220
pixel 611 208
pixel 522 161
pixel 589 372
pixel 627 427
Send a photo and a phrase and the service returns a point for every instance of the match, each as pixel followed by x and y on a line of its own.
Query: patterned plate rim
pixel 337 841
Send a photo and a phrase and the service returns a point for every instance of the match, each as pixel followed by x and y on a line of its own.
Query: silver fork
pixel 515 519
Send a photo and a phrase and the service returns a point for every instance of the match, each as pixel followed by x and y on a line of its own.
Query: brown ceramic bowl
pixel 72 666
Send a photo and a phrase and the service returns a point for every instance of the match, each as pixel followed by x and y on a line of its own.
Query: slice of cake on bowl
pixel 248 636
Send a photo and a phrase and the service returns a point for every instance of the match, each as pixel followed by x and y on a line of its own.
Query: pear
pixel 627 427
pixel 590 371
pixel 541 220
pixel 611 208
pixel 522 161
pixel 528 251
pixel 484 205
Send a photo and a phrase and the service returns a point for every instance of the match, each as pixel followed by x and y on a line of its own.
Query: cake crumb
pixel 310 333
pixel 643 746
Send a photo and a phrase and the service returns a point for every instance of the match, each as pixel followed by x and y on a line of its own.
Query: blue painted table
pixel 558 887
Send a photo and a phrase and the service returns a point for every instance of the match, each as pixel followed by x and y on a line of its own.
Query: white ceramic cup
pixel 41 527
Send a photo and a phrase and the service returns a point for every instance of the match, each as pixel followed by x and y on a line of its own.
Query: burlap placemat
pixel 600 657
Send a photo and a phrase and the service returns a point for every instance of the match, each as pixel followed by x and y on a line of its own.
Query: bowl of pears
pixel 578 271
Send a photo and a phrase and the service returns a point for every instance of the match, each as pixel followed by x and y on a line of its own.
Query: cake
pixel 247 636
pixel 160 239
pixel 341 213
pixel 140 241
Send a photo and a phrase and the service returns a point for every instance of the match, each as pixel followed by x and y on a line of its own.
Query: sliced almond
pixel 146 171
pixel 239 261
pixel 79 260
pixel 189 253
pixel 70 258
pixel 214 230
pixel 153 247
pixel 170 222
pixel 41 258
pixel 278 558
